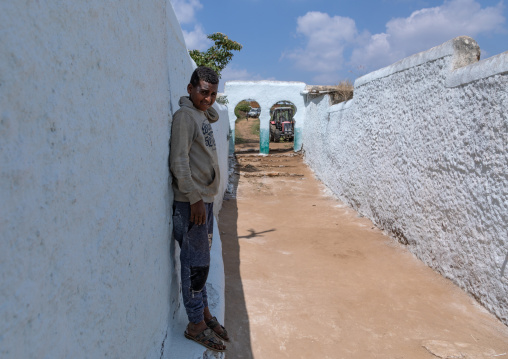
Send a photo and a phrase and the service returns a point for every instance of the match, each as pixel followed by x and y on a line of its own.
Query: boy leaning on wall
pixel 195 170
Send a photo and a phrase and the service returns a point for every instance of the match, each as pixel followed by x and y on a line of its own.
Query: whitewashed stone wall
pixel 87 92
pixel 422 150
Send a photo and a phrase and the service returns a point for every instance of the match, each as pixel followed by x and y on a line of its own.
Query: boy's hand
pixel 198 213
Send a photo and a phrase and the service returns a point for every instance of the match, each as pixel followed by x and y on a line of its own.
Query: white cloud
pixel 375 52
pixel 426 28
pixel 231 73
pixel 185 10
pixel 328 37
pixel 196 39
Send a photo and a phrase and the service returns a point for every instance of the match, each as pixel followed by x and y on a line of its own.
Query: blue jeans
pixel 195 244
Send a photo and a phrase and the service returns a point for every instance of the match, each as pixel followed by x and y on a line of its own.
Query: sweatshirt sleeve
pixel 182 136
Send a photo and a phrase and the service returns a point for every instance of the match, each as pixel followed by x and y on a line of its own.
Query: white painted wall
pixel 221 134
pixel 422 150
pixel 267 94
pixel 87 92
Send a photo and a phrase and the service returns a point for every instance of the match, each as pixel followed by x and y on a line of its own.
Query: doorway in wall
pixel 282 126
pixel 247 114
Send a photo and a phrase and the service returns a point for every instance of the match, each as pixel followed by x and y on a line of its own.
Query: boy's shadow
pixel 237 318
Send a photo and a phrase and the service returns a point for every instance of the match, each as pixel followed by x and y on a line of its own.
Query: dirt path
pixel 307 278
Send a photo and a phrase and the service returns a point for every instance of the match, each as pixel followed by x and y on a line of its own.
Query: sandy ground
pixel 306 277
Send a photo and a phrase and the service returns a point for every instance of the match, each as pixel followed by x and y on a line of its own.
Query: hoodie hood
pixel 211 114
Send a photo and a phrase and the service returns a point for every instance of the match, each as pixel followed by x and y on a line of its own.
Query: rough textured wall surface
pixel 267 94
pixel 87 92
pixel 221 135
pixel 422 150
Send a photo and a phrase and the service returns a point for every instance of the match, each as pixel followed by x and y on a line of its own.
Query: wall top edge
pixel 219 106
pixel 341 106
pixel 495 65
pixel 265 82
pixel 463 48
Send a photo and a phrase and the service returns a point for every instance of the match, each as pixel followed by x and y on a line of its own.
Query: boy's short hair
pixel 204 73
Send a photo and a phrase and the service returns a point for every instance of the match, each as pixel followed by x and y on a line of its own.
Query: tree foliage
pixel 241 109
pixel 217 56
pixel 243 106
pixel 222 99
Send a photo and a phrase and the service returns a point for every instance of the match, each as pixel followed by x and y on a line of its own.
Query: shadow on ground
pixel 237 319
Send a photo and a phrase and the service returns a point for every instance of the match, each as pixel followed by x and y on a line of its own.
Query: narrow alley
pixel 307 277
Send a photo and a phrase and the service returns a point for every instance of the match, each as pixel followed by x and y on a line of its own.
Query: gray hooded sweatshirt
pixel 193 157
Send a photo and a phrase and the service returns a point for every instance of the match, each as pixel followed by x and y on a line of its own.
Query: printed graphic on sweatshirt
pixel 208 133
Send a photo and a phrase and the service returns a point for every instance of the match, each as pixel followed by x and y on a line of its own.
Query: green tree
pixel 241 109
pixel 217 56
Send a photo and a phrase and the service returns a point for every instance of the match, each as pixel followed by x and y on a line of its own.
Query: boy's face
pixel 203 95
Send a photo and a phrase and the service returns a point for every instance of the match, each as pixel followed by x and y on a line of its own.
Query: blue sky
pixel 322 42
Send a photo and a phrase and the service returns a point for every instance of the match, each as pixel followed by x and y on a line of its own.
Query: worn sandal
pixel 206 338
pixel 212 323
